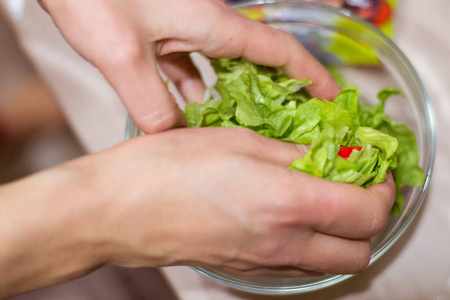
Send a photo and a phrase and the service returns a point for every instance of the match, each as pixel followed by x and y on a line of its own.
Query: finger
pixel 279 152
pixel 183 73
pixel 249 143
pixel 262 44
pixel 136 79
pixel 345 210
pixel 267 149
pixel 124 58
pixel 293 59
pixel 333 208
pixel 329 254
pixel 227 33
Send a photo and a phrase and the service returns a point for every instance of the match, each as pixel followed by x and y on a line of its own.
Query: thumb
pixel 136 79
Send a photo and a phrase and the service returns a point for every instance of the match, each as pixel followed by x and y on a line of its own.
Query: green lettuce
pixel 267 101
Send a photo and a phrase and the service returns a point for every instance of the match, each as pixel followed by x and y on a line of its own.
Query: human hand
pixel 223 198
pixel 126 40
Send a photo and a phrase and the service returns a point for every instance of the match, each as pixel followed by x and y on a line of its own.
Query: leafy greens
pixel 267 101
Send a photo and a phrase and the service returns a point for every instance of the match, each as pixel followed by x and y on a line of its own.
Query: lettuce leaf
pixel 267 101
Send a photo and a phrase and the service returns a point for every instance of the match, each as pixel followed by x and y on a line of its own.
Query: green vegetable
pixel 268 102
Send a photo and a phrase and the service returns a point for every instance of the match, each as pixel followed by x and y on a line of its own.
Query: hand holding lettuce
pixel 266 101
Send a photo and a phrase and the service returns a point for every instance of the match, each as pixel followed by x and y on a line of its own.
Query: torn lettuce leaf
pixel 267 101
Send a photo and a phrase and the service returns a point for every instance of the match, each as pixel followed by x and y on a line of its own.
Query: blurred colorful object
pixel 377 12
pixel 339 49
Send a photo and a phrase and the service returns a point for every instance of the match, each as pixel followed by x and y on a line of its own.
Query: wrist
pixel 130 227
pixel 43 224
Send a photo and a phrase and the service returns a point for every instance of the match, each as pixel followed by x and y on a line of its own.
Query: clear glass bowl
pixel 365 57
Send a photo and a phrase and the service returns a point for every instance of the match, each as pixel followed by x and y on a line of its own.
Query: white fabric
pixel 416 267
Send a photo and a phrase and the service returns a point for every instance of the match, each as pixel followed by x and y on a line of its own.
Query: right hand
pixel 127 40
pixel 222 198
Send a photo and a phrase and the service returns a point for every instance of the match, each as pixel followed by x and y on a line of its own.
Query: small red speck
pixel 345 152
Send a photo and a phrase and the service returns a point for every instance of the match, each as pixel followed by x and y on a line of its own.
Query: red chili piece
pixel 345 152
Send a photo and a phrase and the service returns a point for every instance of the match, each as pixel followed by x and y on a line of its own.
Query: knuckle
pixel 294 49
pixel 292 40
pixel 284 210
pixel 326 210
pixel 290 208
pixel 245 134
pixel 127 51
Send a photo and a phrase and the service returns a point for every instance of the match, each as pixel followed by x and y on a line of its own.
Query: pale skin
pixel 212 197
pixel 134 36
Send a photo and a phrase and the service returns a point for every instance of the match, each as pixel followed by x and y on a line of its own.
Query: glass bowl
pixel 364 56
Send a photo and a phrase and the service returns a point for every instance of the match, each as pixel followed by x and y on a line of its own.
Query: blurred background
pixel 33 132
